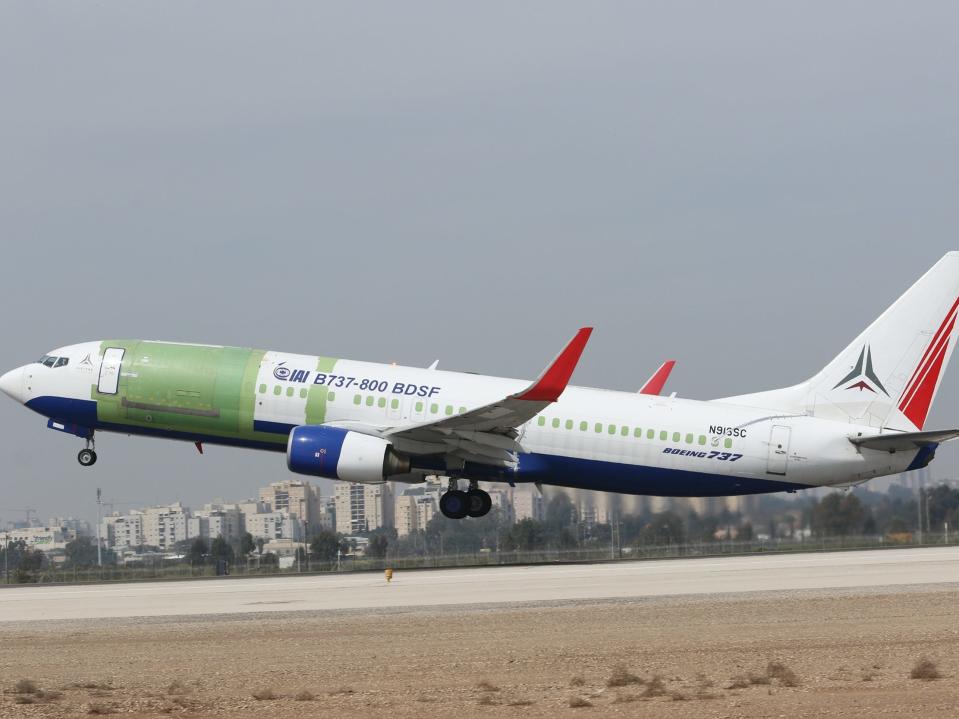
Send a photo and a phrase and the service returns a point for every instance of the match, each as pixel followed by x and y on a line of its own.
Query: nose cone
pixel 11 384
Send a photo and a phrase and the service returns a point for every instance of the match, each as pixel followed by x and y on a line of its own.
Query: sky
pixel 740 186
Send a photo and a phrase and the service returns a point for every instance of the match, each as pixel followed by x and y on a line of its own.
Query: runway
pixel 488 585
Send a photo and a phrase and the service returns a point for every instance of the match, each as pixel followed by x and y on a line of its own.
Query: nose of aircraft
pixel 11 384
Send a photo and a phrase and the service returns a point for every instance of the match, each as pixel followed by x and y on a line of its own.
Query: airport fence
pixel 165 569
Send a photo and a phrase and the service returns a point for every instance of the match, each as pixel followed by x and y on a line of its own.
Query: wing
pixel 904 441
pixel 655 384
pixel 488 434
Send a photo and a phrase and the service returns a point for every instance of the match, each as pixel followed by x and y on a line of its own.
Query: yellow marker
pixel 388 573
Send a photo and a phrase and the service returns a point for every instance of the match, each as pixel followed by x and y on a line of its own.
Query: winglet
pixel 554 379
pixel 655 384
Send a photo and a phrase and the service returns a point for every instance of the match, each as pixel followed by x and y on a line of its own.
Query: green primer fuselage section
pixel 190 389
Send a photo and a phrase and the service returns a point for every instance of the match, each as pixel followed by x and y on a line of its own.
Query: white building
pixel 165 526
pixel 44 538
pixel 270 526
pixel 122 531
pixel 362 507
pixel 217 520
pixel 528 503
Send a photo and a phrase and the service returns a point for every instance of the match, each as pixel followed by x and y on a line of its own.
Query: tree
pixel 198 550
pixel 560 512
pixel 221 549
pixel 526 535
pixel 663 528
pixel 838 514
pixel 81 552
pixel 377 546
pixel 247 545
pixel 325 546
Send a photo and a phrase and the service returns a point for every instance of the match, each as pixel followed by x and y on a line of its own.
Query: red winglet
pixel 554 379
pixel 655 384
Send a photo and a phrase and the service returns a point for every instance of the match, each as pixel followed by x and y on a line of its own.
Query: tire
pixel 87 457
pixel 478 503
pixel 454 504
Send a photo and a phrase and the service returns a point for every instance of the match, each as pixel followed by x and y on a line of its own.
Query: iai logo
pixel 282 373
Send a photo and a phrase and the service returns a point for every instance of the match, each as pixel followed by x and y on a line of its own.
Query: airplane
pixel 861 416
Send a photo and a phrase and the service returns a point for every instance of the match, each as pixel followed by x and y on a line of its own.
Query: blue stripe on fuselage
pixel 533 467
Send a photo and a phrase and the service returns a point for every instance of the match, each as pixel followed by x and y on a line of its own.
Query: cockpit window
pixel 51 361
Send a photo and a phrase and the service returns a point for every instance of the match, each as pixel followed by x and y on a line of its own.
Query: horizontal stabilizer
pixel 904 441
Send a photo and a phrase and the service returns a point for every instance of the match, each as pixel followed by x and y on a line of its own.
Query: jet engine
pixel 337 453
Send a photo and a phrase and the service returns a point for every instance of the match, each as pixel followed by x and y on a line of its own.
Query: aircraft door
pixel 109 378
pixel 778 449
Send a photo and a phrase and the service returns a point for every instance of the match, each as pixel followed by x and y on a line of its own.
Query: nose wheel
pixel 87 456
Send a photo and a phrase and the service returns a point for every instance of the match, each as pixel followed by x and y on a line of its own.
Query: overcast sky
pixel 740 186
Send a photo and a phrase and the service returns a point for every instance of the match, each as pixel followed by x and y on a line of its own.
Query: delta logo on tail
pixel 864 374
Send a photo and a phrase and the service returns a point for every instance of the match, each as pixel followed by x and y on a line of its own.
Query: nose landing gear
pixel 87 456
pixel 457 504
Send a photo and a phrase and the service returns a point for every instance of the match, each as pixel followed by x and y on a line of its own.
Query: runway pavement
pixel 488 585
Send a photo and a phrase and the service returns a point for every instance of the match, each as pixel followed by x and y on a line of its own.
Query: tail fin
pixel 889 375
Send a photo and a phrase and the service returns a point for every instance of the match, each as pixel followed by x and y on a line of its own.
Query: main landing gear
pixel 87 456
pixel 457 504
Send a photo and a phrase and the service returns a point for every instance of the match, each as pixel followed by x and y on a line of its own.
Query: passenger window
pixel 676 436
pixel 303 393
pixel 583 426
pixel 419 406
pixel 599 427
pixel 394 404
pixel 637 432
pixel 449 409
pixel 357 399
pixel 569 424
pixel 277 390
pixel 624 431
pixel 728 443
pixel 434 408
pixel 331 396
pixel 689 439
pixel 541 421
pixel 556 423
pixel 650 434
pixel 289 391
pixel 664 435
pixel 262 389
pixel 612 429
pixel 702 439
pixel 369 400
pixel 381 402
pixel 462 410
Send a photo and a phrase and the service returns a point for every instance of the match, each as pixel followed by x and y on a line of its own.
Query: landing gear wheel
pixel 87 457
pixel 478 503
pixel 454 504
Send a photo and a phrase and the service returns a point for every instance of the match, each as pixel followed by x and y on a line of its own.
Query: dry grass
pixel 485 686
pixel 577 681
pixel 265 695
pixel 106 686
pixel 304 695
pixel 340 691
pixel 520 703
pixel 622 677
pixel 25 686
pixel 783 674
pixel 487 700
pixel 625 698
pixel 925 669
pixel 177 688
pixel 740 681
pixel 100 709
pixel 655 687
pixel 576 702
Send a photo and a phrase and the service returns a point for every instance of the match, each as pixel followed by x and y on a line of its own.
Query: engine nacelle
pixel 337 453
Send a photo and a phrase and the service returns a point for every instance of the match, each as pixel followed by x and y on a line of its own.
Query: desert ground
pixel 796 653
